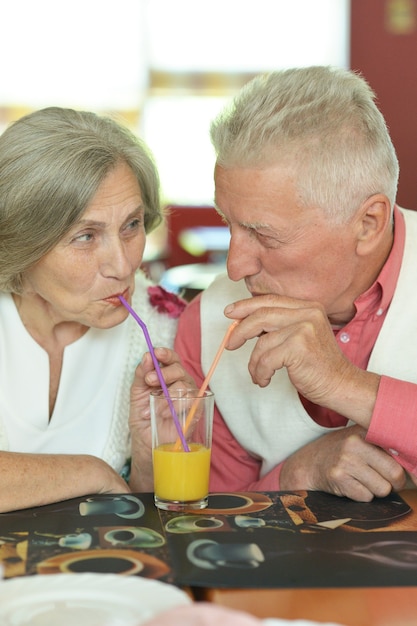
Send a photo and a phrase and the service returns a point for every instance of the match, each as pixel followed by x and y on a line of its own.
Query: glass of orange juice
pixel 181 473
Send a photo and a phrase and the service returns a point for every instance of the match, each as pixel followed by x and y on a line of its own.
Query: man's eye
pixel 263 236
pixel 268 240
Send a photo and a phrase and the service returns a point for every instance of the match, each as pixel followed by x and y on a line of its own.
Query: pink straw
pixel 158 371
pixel 208 377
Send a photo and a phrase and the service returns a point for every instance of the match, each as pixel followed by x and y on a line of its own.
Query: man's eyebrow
pixel 218 210
pixel 256 225
pixel 249 225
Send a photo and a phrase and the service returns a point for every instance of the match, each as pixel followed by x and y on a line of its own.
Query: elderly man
pixel 318 388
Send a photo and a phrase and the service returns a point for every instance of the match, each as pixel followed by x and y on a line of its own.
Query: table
pixel 307 539
pixel 362 606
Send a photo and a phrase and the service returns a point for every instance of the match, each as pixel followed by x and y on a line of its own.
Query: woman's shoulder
pixel 156 299
pixel 158 308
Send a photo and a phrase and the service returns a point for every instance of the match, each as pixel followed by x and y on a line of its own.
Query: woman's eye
pixel 133 224
pixel 83 237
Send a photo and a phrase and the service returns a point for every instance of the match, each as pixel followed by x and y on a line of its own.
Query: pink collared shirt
pixel 357 338
pixel 234 469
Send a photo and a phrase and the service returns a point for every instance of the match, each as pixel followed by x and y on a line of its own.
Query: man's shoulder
pixel 409 215
pixel 223 287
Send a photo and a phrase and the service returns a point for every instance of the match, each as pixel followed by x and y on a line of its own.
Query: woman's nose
pixel 116 262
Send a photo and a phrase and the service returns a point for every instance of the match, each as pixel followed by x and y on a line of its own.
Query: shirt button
pixel 345 337
pixel 380 312
pixel 393 452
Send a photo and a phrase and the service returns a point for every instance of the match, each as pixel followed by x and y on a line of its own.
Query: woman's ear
pixel 374 223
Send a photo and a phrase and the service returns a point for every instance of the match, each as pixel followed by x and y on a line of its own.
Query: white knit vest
pixel 271 423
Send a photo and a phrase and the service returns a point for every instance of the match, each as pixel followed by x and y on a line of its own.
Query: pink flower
pixel 166 302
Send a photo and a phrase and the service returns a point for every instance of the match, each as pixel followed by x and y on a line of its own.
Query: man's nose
pixel 241 261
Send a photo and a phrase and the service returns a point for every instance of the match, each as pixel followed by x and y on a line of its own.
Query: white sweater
pixel 92 405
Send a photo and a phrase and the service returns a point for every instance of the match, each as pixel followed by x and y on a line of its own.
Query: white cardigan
pixel 92 405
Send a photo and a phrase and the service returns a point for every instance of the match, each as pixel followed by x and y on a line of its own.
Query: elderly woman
pixel 78 193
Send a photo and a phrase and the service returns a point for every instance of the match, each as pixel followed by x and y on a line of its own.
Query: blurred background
pixel 167 67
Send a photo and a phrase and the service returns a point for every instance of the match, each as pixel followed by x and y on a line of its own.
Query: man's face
pixel 280 246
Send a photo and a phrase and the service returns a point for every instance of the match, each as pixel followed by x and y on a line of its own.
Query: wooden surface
pixel 364 606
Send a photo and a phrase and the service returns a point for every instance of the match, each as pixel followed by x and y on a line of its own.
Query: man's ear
pixel 374 223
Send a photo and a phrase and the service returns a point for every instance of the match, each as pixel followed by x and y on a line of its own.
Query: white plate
pixel 85 600
pixel 297 622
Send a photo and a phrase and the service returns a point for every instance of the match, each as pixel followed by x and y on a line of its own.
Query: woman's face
pixel 79 280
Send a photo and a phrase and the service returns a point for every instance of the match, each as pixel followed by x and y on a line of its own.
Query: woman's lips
pixel 114 299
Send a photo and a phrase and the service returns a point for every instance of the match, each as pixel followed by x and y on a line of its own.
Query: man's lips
pixel 255 294
pixel 253 291
pixel 114 299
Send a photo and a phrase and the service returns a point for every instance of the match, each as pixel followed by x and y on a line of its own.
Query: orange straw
pixel 206 380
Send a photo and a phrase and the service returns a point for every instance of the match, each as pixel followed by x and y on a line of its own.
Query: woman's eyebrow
pixel 90 222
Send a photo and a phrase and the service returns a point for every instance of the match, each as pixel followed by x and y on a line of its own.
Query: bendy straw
pixel 158 371
pixel 207 378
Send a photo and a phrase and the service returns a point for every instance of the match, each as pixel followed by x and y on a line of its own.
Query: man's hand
pixel 343 463
pixel 297 335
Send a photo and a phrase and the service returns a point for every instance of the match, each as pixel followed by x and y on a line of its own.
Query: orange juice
pixel 181 476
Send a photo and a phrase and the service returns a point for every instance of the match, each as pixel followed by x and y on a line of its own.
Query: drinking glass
pixel 181 477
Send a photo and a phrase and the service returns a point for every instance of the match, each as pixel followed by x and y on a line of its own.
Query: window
pixel 166 68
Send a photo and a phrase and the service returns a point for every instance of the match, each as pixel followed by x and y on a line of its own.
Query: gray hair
pixel 321 122
pixel 52 162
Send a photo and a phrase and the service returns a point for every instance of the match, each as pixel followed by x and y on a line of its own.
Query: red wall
pixel 384 50
pixel 182 217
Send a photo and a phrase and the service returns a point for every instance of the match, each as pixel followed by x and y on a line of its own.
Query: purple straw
pixel 158 371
